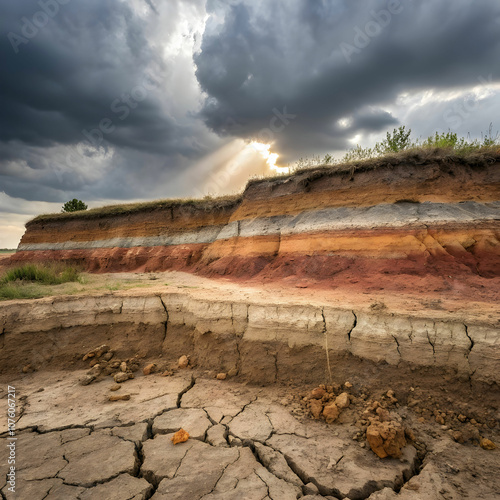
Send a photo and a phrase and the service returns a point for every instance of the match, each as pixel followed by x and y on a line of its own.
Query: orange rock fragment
pixel 331 412
pixel 149 369
pixel 181 436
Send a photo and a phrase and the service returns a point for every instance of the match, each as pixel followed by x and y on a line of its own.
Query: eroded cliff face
pixel 389 226
pixel 263 340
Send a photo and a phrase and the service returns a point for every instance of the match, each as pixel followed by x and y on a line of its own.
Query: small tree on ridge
pixel 74 205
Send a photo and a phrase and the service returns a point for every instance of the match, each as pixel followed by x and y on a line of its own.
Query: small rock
pixel 486 444
pixel 383 414
pixel 410 434
pixel 95 370
pixel 348 385
pixel 101 350
pixel 88 379
pixel 462 418
pixel 317 393
pixel 148 369
pixel 181 436
pixel 108 356
pixel 232 372
pixel 88 356
pixel 133 367
pixel 221 376
pixel 121 377
pixel 115 387
pixel 28 369
pixel 183 362
pixel 123 366
pixel 119 397
pixel 316 408
pixel 331 413
pixel 167 373
pixel 93 362
pixel 391 397
pixel 342 400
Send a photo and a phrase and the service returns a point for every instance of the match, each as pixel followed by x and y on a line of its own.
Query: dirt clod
pixel 119 397
pixel 331 412
pixel 486 444
pixel 181 436
pixel 183 362
pixel 149 369
pixel 386 438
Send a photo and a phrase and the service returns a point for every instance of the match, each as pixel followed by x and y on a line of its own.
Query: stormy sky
pixel 111 100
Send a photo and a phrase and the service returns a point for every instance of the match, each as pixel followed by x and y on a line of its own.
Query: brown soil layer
pixel 159 222
pixel 311 191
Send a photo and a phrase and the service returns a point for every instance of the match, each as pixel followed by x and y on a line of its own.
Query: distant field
pixel 7 250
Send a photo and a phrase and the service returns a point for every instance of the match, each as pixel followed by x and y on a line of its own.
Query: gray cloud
pixel 258 55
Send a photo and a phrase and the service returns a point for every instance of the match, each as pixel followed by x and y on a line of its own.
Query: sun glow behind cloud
pixel 265 151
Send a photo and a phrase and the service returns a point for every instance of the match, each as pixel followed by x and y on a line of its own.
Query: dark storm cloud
pixel 66 77
pixel 81 79
pixel 326 60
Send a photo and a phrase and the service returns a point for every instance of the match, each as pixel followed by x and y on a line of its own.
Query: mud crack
pixel 355 323
pixel 189 387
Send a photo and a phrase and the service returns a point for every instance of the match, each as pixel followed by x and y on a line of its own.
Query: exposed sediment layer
pixel 432 218
pixel 264 340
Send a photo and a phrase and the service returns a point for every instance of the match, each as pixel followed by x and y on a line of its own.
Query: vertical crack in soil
pixel 397 344
pixel 327 351
pixel 431 344
pixel 165 323
pixel 140 457
pixel 470 340
pixel 190 386
pixel 355 323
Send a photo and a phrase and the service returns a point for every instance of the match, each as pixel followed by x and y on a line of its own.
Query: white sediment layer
pixel 396 215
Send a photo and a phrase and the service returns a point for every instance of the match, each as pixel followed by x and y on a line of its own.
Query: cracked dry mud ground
pixel 246 443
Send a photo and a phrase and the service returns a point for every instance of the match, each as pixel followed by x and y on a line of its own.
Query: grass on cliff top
pixel 478 158
pixel 398 148
pixel 208 203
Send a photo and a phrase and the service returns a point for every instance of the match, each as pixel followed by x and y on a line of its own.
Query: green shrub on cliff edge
pixel 74 205
pixel 400 141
